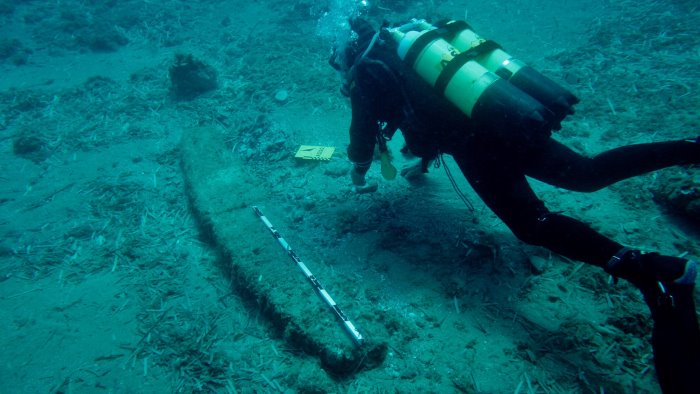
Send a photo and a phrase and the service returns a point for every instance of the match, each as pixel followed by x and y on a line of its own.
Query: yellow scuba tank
pixel 490 55
pixel 490 101
pixel 429 54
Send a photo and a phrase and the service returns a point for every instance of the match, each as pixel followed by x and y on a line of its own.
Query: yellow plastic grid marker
pixel 313 152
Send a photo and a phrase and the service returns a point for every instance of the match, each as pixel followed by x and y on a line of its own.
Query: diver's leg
pixel 667 284
pixel 676 337
pixel 554 163
pixel 500 183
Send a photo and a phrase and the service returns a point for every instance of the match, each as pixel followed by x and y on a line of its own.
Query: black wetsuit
pixel 386 92
pixel 496 162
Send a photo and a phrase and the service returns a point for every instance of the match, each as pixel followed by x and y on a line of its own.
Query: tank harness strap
pixel 421 42
pixel 460 60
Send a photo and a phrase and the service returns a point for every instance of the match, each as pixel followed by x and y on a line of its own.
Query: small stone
pixel 537 264
pixel 337 169
pixel 281 96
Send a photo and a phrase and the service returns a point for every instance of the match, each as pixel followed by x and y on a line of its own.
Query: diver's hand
pixel 360 185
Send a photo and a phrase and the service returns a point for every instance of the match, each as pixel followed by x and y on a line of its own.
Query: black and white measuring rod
pixel 350 328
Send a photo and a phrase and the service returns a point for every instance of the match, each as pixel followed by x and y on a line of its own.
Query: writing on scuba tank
pixel 447 57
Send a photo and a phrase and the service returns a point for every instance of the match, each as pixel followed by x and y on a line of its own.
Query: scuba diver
pixel 449 91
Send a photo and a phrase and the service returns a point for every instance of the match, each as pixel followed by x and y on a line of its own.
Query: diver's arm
pixel 363 135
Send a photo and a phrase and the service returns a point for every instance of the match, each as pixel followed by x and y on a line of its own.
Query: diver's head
pixel 345 52
pixel 363 32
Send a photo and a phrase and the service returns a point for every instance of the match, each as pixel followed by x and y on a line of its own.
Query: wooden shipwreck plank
pixel 222 192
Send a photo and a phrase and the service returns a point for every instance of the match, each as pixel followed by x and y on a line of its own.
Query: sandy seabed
pixel 110 282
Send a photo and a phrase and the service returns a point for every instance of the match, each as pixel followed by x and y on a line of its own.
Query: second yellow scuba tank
pixel 481 79
pixel 489 54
